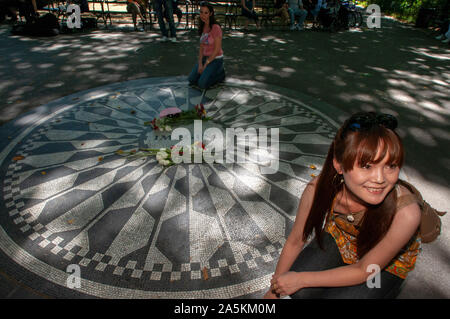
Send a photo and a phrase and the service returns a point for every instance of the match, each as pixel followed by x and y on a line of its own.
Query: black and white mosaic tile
pixel 137 229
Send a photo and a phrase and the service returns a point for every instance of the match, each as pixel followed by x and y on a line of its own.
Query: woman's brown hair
pixel 212 18
pixel 356 144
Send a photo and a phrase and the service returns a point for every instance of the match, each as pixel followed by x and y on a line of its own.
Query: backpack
pixel 430 223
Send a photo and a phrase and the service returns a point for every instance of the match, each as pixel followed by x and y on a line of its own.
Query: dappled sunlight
pixel 422 136
pixel 49 68
pixel 401 83
pixel 53 85
pixel 273 38
pixel 45 65
pixel 337 80
pixel 359 69
pixel 400 96
pixel 434 107
pixel 236 34
pixel 444 56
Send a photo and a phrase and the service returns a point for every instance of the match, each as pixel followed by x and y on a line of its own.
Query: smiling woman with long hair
pixel 209 68
pixel 362 217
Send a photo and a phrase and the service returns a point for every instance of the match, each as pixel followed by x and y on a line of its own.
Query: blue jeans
pixel 212 74
pixel 301 14
pixel 315 11
pixel 312 258
pixel 167 4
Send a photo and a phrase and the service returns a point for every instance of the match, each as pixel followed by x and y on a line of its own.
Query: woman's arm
pixel 404 225
pixel 200 54
pixel 294 244
pixel 200 59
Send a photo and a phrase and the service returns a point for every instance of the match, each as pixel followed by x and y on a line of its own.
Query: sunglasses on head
pixel 364 122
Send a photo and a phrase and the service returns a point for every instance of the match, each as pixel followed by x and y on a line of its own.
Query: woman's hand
pixel 287 283
pixel 201 67
pixel 271 295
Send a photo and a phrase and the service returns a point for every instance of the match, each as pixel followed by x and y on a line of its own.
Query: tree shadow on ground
pixel 396 69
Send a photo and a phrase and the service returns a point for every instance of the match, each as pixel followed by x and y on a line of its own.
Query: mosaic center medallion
pixel 157 139
pixel 140 230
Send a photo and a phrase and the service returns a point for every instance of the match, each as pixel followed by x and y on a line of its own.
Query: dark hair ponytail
pixel 328 185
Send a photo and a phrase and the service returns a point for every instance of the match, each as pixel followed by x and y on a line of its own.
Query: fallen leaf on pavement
pixel 205 273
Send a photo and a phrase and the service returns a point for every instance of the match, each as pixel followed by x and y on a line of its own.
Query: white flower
pixel 164 155
pixel 165 162
pixel 168 128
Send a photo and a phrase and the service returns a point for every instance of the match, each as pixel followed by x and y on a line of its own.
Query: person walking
pixel 166 7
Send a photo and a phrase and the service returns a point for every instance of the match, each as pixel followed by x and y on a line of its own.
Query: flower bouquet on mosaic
pixel 165 156
pixel 173 116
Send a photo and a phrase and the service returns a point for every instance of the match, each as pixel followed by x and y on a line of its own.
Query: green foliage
pixel 407 9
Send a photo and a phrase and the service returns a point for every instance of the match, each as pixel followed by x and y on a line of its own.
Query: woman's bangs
pixel 374 149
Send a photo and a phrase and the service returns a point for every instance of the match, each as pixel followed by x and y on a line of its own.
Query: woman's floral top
pixel 345 234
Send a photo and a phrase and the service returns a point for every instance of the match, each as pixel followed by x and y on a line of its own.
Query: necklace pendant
pixel 350 218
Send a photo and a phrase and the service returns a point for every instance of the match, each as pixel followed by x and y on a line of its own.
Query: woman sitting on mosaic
pixel 209 68
pixel 365 220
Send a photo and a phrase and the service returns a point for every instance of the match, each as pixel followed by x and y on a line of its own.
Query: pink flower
pixel 169 111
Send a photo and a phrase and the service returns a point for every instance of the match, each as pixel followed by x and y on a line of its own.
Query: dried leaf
pixel 100 158
pixel 313 175
pixel 312 166
pixel 70 221
pixel 205 273
pixel 18 158
pixel 43 172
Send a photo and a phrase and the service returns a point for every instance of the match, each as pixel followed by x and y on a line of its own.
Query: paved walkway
pixel 49 84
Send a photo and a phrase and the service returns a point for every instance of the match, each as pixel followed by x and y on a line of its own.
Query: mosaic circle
pixel 136 229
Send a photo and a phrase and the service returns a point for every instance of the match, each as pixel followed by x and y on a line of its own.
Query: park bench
pixel 118 9
pixel 267 13
pixel 228 13
pixel 99 9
